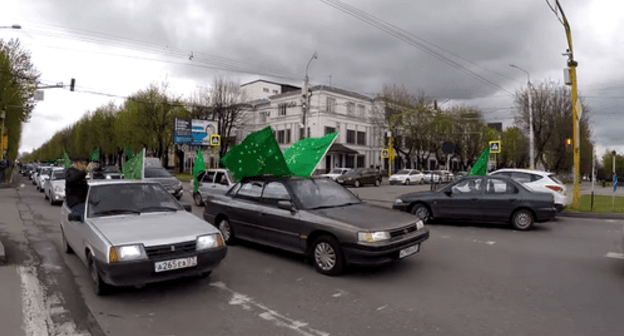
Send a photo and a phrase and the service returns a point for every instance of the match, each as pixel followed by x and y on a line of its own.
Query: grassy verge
pixel 602 204
pixel 184 177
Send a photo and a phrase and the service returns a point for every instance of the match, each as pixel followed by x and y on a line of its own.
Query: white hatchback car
pixel 407 176
pixel 336 172
pixel 539 181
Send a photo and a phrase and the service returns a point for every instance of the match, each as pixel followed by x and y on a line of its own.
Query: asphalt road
pixel 564 278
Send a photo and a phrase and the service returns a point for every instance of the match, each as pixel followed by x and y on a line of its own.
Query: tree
pixel 515 146
pixel 467 132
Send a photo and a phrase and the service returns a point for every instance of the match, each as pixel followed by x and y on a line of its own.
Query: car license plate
pixel 171 265
pixel 409 251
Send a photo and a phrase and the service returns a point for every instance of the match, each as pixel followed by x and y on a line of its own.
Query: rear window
pixel 555 179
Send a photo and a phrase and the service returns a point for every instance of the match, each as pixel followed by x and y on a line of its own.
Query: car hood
pixel 367 216
pixel 154 228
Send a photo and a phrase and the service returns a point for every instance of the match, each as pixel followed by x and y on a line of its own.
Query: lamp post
pixel 531 135
pixel 305 103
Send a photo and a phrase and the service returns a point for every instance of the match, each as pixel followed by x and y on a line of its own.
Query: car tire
pixel 226 231
pixel 421 211
pixel 66 248
pixel 357 183
pixel 522 220
pixel 100 288
pixel 197 198
pixel 327 256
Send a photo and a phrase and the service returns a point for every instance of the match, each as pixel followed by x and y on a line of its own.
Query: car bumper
pixel 143 272
pixel 393 182
pixel 559 207
pixel 382 253
pixel 545 214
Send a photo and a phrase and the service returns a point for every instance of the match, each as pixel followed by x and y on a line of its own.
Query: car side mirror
pixel 187 207
pixel 74 217
pixel 286 205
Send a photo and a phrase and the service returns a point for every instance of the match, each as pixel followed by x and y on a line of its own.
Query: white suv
pixel 539 181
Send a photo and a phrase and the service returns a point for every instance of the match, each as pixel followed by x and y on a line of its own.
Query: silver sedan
pixel 54 187
pixel 130 233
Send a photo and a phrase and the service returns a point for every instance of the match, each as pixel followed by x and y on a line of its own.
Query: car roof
pixel 529 171
pixel 122 181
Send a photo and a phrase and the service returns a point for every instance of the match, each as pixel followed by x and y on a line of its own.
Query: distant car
pixel 361 176
pixel 538 181
pixel 212 182
pixel 316 217
pixel 431 176
pixel 54 187
pixel 445 176
pixel 336 172
pixel 162 176
pixel 44 174
pixel 108 173
pixel 481 199
pixel 133 233
pixel 407 176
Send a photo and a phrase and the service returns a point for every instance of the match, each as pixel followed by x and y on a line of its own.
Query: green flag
pixel 198 168
pixel 481 166
pixel 128 151
pixel 95 155
pixel 133 169
pixel 304 156
pixel 66 162
pixel 257 155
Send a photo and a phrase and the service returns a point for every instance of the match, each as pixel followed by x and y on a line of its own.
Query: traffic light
pixel 568 145
pixel 72 84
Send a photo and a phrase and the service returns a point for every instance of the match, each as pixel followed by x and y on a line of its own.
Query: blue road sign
pixel 615 182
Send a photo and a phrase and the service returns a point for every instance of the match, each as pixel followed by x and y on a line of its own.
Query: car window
pixel 467 186
pixel 122 198
pixel 209 177
pixel 555 179
pixel 415 172
pixel 521 177
pixel 321 193
pixel 221 178
pixel 499 186
pixel 232 192
pixel 275 192
pixel 402 172
pixel 200 176
pixel 58 175
pixel 250 190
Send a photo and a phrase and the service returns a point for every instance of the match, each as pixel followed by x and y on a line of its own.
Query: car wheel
pixel 377 183
pixel 357 183
pixel 198 199
pixel 421 211
pixel 407 182
pixel 66 248
pixel 99 287
pixel 226 231
pixel 522 220
pixel 327 256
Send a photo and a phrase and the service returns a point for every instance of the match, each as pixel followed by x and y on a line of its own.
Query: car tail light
pixel 555 188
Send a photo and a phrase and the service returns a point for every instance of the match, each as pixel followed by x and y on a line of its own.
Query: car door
pixel 245 211
pixel 463 201
pixel 369 176
pixel 501 198
pixel 281 226
pixel 221 183
pixel 205 184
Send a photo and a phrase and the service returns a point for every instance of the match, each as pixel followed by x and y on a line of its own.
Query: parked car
pixel 316 217
pixel 44 174
pixel 361 176
pixel 430 176
pixel 54 187
pixel 407 176
pixel 481 199
pixel 336 172
pixel 133 232
pixel 538 181
pixel 445 176
pixel 212 182
pixel 162 176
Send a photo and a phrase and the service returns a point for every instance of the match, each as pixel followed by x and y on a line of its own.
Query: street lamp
pixel 15 26
pixel 531 135
pixel 305 104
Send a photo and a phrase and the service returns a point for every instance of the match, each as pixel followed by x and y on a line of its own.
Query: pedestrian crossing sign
pixel 495 147
pixel 384 153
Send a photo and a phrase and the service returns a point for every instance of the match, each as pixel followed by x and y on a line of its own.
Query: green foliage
pixel 602 204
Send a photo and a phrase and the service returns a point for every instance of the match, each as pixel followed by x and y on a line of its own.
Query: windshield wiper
pixel 325 207
pixel 116 212
pixel 159 208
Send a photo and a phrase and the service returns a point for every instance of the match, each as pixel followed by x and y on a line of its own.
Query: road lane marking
pixel 268 314
pixel 614 255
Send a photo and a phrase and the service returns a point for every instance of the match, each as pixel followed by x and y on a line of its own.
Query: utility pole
pixel 531 134
pixel 576 109
pixel 305 99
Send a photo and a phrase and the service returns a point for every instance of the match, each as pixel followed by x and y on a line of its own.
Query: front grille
pixel 166 251
pixel 402 231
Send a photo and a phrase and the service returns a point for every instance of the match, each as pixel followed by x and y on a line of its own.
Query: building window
pixel 361 138
pixel 360 161
pixel 350 136
pixel 331 105
pixel 288 136
pixel 350 108
pixel 280 137
pixel 350 161
pixel 265 89
pixel 274 91
pixel 263 116
pixel 360 111
pixel 329 130
pixel 281 108
pixel 301 135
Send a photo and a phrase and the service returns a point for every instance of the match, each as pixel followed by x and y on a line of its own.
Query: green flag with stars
pixel 304 156
pixel 95 155
pixel 258 154
pixel 480 167
pixel 66 162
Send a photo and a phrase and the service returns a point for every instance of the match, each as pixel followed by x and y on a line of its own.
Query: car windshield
pixel 337 171
pixel 123 198
pixel 45 171
pixel 156 172
pixel 403 172
pixel 58 174
pixel 321 193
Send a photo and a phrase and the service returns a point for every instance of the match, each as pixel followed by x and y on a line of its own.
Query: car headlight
pixel 126 253
pixel 349 178
pixel 108 177
pixel 398 201
pixel 59 189
pixel 371 237
pixel 209 241
pixel 420 225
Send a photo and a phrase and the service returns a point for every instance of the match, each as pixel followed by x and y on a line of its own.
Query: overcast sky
pixel 117 47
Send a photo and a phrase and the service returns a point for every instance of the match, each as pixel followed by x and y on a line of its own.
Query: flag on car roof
pixel 481 166
pixel 303 157
pixel 133 169
pixel 258 154
pixel 199 167
pixel 95 155
pixel 128 151
pixel 66 162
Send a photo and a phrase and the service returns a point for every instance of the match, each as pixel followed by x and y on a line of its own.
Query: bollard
pixel 592 201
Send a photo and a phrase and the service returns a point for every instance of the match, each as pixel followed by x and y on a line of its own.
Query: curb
pixel 592 215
